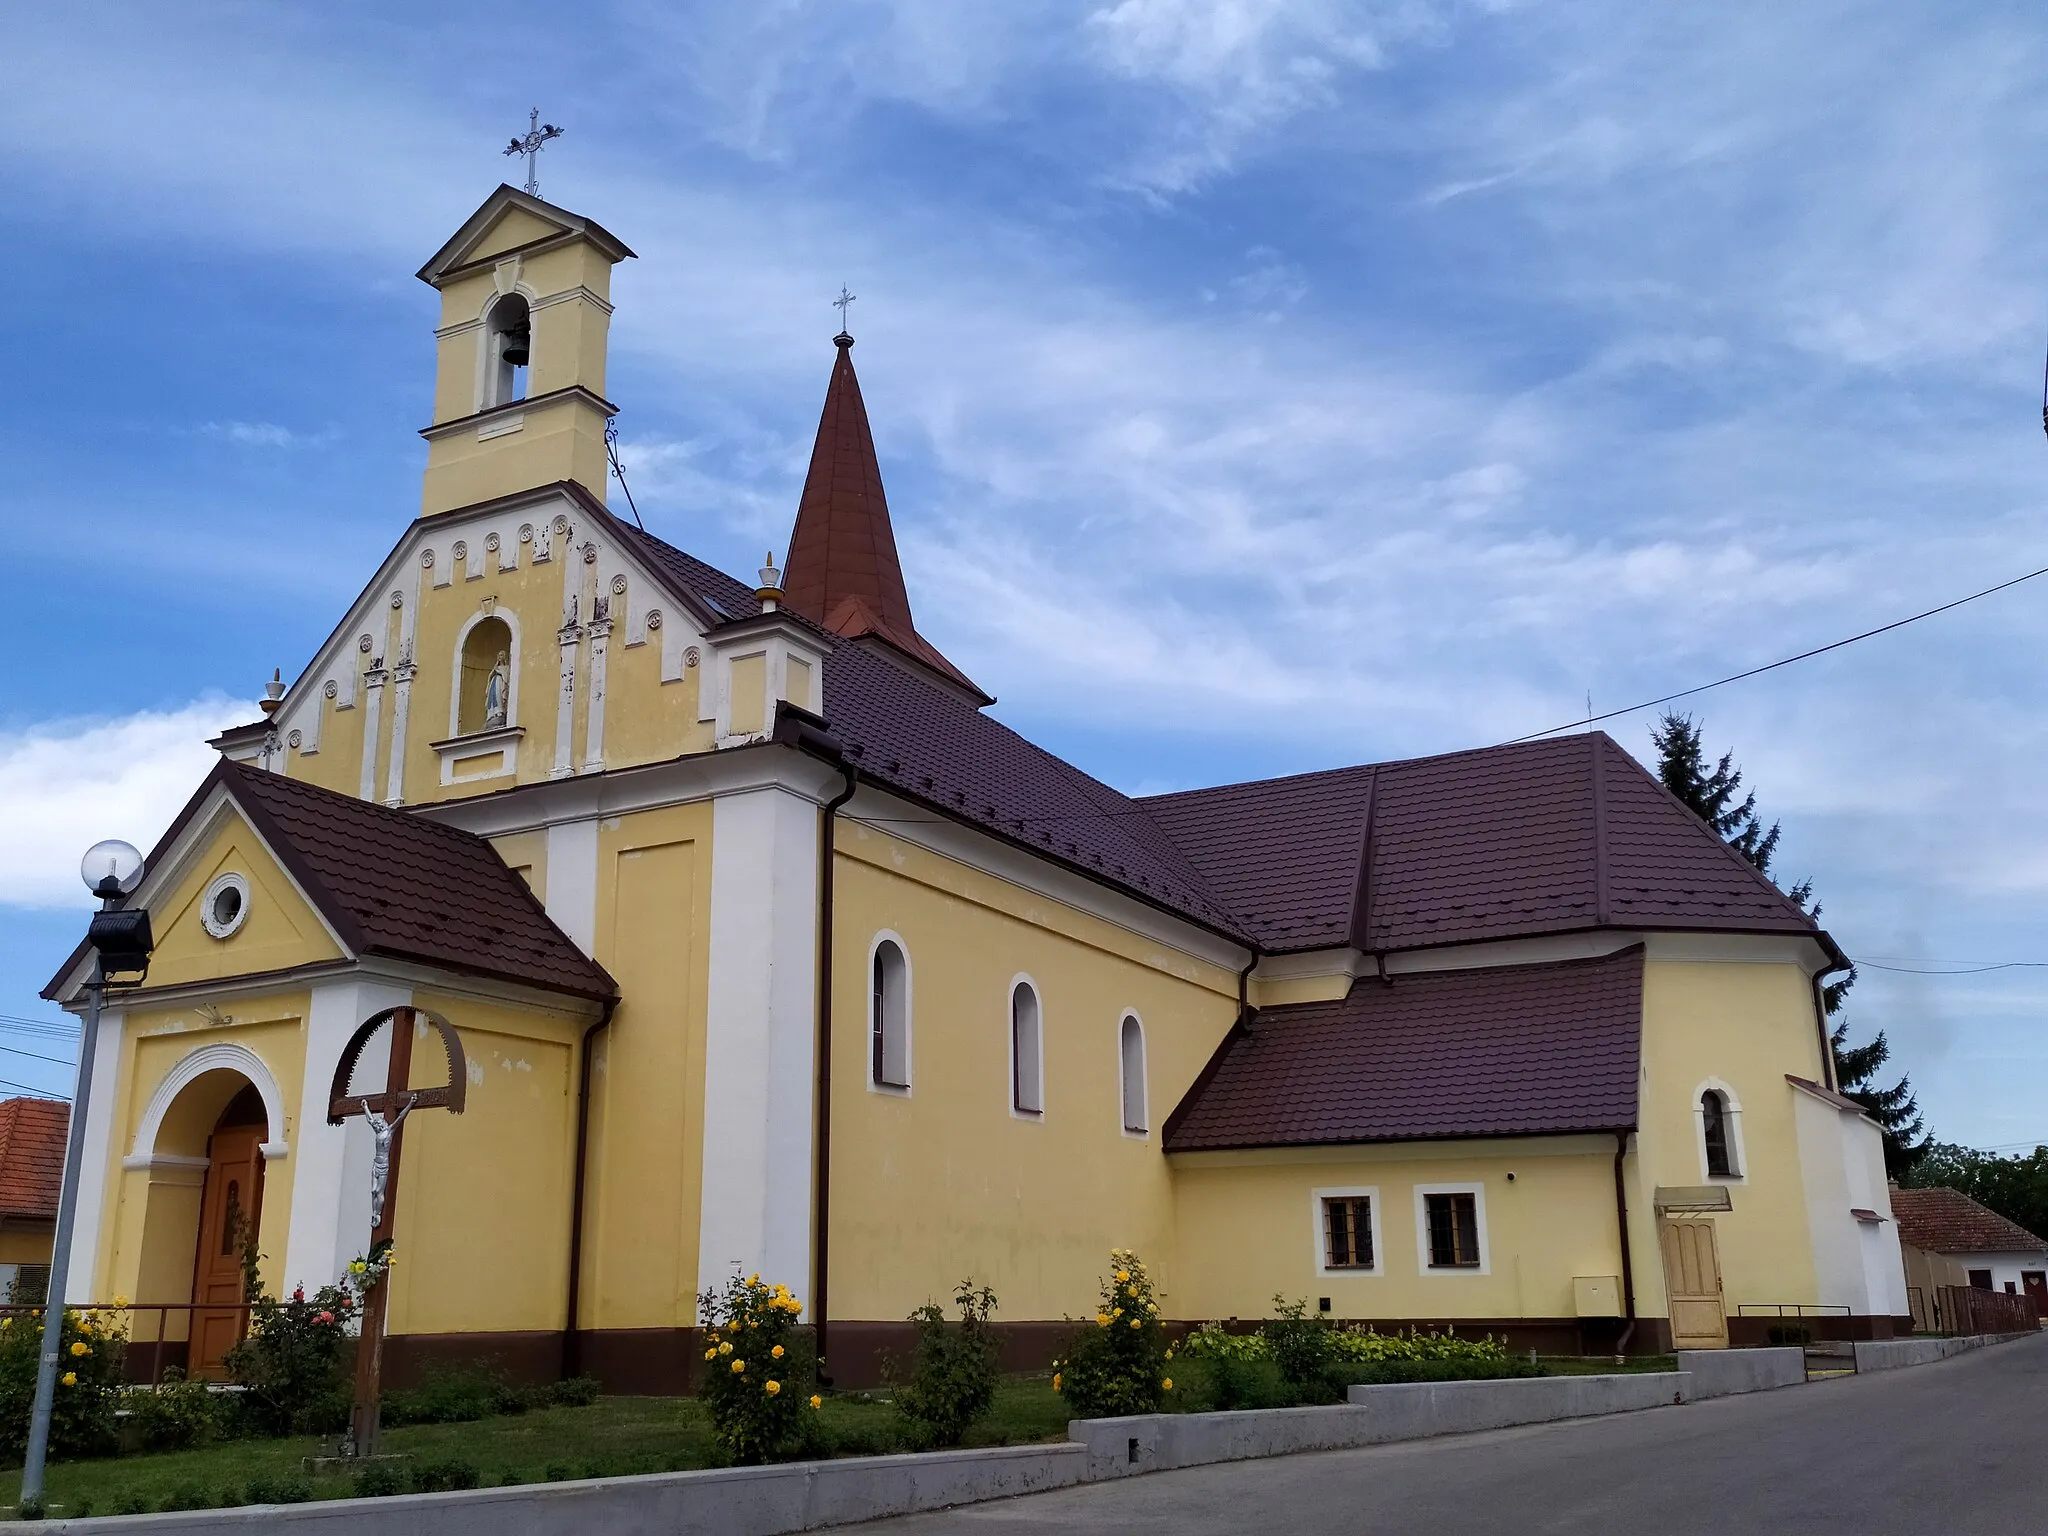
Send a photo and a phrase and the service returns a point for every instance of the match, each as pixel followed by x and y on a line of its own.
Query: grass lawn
pixel 613 1437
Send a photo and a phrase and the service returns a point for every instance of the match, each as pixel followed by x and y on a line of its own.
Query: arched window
pixel 1027 1070
pixel 485 702
pixel 511 342
pixel 1131 1051
pixel 889 1017
pixel 1714 1127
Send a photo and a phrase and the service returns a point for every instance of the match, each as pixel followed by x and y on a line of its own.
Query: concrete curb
pixel 1374 1416
pixel 1725 1372
pixel 1897 1354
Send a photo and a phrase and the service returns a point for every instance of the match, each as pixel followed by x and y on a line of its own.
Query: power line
pixel 1819 650
pixel 57 1061
pixel 38 1026
pixel 35 1093
pixel 1958 968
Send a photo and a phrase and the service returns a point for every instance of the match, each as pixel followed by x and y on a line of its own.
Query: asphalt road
pixel 1959 1448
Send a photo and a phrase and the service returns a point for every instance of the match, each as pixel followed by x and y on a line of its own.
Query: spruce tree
pixel 1711 793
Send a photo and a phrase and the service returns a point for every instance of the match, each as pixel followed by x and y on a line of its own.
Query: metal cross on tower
pixel 840 304
pixel 537 134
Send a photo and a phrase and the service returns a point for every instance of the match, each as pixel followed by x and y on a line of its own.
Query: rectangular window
pixel 1347 1232
pixel 1453 1231
pixel 1980 1279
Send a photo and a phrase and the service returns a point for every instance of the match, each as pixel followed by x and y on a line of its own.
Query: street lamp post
pixel 121 943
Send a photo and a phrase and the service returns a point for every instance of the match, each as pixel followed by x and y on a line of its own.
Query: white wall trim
pixel 867 978
pixel 1738 1153
pixel 97 1152
pixel 1478 1192
pixel 220 1056
pixel 1316 1197
pixel 1024 979
pixel 572 881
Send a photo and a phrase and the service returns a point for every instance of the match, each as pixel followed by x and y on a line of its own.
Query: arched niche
pixel 484 680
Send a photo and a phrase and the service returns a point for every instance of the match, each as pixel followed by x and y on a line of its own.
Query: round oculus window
pixel 225 906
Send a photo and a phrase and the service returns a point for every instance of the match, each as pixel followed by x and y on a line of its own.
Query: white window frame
pixel 1123 1086
pixel 1478 1194
pixel 1731 1121
pixel 1022 982
pixel 1371 1192
pixel 230 880
pixel 890 1090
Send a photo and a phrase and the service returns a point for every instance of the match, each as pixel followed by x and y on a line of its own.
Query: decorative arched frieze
pixel 221 1056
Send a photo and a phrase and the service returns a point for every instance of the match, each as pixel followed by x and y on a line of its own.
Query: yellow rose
pixel 1123 1276
pixel 70 1378
pixel 816 1401
pixel 753 1279
pixel 1055 1381
pixel 1102 1319
pixel 710 1354
pixel 725 1349
pixel 774 1388
pixel 776 1352
pixel 1167 1384
pixel 738 1366
pixel 121 1303
pixel 79 1350
pixel 1137 1322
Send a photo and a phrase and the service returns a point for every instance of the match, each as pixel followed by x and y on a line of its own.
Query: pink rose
pixel 324 1317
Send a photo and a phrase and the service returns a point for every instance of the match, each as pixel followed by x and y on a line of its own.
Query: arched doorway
pixel 230 1211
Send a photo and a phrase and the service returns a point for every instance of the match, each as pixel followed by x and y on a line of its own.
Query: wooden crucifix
pixel 385 1113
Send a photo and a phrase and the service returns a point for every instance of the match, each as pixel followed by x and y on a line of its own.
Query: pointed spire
pixel 843 572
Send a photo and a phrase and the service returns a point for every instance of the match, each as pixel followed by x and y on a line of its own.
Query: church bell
pixel 519 344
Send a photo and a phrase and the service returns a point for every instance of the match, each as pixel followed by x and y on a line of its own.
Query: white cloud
pixel 264 434
pixel 70 783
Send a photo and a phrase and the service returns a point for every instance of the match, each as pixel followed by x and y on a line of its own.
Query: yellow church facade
pixel 769 947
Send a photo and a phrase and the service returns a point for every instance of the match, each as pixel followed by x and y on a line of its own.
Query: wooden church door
pixel 1692 1279
pixel 228 1209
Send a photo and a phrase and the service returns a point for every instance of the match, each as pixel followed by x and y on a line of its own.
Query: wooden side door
pixel 233 1197
pixel 1692 1280
pixel 2036 1283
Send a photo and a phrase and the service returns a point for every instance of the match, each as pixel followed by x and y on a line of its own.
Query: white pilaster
pixel 331 1163
pixel 373 716
pixel 571 897
pixel 394 779
pixel 565 706
pixel 593 730
pixel 762 997
pixel 98 1154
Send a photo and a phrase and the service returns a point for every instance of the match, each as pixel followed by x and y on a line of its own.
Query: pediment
pixel 512 220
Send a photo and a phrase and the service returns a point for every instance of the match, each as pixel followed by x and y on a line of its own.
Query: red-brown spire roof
pixel 842 572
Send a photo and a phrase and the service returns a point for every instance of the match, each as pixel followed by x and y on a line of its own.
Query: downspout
pixel 1244 992
pixel 1820 1023
pixel 1628 1270
pixel 821 1203
pixel 572 1344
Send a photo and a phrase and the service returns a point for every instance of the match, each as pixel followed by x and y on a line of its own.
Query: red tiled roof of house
pixel 1525 1050
pixel 1943 1220
pixel 32 1133
pixel 392 883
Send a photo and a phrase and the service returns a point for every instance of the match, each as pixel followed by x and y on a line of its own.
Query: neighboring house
pixel 1506 1038
pixel 32 1135
pixel 1946 1238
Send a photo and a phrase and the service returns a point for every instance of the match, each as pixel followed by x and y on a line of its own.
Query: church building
pixel 769 948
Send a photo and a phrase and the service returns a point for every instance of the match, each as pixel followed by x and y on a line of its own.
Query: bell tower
pixel 520 352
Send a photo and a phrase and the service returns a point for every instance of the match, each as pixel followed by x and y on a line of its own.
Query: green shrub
pixel 89 1384
pixel 1118 1364
pixel 755 1386
pixel 379 1480
pixel 957 1368
pixel 280 1490
pixel 291 1364
pixel 556 1472
pixel 574 1392
pixel 176 1414
pixel 132 1504
pixel 453 1395
pixel 186 1496
pixel 1300 1343
pixel 443 1476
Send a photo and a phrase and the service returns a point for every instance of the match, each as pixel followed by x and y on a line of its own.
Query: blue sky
pixel 1259 386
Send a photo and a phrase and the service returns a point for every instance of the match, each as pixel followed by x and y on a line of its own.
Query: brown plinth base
pixel 1755 1332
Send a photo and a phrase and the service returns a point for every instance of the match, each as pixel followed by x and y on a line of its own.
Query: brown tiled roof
pixel 1495 843
pixel 1503 1051
pixel 395 884
pixel 1943 1220
pixel 32 1135
pixel 842 571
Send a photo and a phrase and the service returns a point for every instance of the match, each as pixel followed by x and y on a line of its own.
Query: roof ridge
pixel 1390 762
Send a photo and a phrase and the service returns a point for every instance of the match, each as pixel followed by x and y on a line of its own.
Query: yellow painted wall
pixel 24 1247
pixel 484 1196
pixel 150 1220
pixel 280 930
pixel 1748 1025
pixel 1249 1228
pixel 646 1145
pixel 944 1183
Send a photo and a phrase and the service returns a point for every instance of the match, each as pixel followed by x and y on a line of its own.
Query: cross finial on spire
pixel 537 134
pixel 840 304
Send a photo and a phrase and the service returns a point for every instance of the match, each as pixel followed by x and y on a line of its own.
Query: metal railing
pixel 1792 1309
pixel 1969 1309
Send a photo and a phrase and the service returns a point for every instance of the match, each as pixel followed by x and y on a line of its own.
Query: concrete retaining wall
pixel 1894 1354
pixel 1373 1416
pixel 745 1501
pixel 1725 1372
